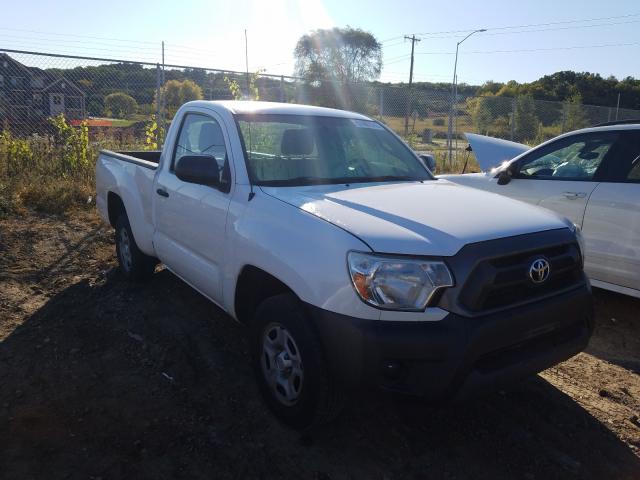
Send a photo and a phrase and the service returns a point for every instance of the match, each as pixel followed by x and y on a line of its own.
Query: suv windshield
pixel 287 150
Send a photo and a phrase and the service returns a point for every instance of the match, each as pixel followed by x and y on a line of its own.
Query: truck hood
pixel 491 152
pixel 431 218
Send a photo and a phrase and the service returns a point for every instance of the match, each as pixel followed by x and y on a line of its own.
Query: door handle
pixel 162 192
pixel 573 195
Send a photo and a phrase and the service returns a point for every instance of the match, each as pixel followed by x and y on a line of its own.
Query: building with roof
pixel 30 93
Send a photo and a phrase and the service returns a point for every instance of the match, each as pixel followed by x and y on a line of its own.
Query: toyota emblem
pixel 539 270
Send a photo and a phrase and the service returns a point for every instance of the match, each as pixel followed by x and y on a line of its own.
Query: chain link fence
pixel 129 104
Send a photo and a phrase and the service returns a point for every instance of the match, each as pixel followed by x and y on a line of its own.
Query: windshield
pixel 285 150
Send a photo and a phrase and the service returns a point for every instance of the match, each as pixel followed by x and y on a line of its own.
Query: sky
pixel 524 39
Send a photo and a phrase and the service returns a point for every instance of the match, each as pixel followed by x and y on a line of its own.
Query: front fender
pixel 304 252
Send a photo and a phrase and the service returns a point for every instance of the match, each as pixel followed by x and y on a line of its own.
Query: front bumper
pixel 458 356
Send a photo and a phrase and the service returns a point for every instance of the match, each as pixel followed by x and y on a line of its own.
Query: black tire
pixel 320 400
pixel 134 264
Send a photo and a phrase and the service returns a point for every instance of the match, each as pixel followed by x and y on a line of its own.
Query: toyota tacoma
pixel 351 265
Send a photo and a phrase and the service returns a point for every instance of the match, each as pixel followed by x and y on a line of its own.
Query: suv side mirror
pixel 504 176
pixel 429 161
pixel 200 169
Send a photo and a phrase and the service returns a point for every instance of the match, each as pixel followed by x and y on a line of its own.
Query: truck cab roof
pixel 275 108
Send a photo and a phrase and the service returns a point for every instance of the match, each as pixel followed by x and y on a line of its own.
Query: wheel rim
pixel 125 250
pixel 282 364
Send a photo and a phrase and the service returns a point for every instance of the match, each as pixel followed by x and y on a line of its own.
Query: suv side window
pixel 628 163
pixel 577 157
pixel 634 173
pixel 201 135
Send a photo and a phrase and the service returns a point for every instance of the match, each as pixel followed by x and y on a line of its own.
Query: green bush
pixel 119 105
pixel 54 173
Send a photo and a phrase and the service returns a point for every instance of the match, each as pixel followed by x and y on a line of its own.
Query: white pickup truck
pixel 350 264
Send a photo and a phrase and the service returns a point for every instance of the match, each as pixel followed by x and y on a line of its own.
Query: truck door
pixel 612 220
pixel 561 175
pixel 191 218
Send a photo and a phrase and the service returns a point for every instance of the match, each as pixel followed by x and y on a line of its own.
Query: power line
pixel 90 44
pixel 75 50
pixel 64 40
pixel 563 28
pixel 395 59
pixel 391 39
pixel 564 22
pixel 123 45
pixel 393 44
pixel 80 36
pixel 572 27
pixel 575 47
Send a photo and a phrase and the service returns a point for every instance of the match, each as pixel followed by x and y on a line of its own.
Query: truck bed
pixel 144 158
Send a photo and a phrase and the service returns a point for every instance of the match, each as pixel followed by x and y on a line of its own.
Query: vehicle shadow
pixel 116 380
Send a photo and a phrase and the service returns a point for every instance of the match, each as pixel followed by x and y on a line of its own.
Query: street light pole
pixel 454 94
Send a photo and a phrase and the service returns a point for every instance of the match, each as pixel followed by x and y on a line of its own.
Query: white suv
pixel 591 176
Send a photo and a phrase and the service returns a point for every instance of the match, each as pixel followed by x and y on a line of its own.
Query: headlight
pixel 397 283
pixel 578 231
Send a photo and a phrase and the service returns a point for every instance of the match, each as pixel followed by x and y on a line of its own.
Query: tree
pixel 524 118
pixel 119 105
pixel 236 90
pixel 489 87
pixel 480 113
pixel 574 116
pixel 346 54
pixel 178 92
pixel 332 60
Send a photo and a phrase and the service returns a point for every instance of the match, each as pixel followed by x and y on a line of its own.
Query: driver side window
pixel 201 135
pixel 574 158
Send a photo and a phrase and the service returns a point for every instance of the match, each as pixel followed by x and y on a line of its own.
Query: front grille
pixel 504 281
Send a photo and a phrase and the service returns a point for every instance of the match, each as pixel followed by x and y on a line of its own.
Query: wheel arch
pixel 115 207
pixel 253 286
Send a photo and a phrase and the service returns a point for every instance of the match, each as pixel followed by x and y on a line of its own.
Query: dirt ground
pixel 103 379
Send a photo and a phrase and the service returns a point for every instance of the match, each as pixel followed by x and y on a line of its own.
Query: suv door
pixel 191 218
pixel 612 219
pixel 562 174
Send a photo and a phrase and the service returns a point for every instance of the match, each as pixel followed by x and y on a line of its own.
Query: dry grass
pixel 464 124
pixel 56 196
pixel 52 173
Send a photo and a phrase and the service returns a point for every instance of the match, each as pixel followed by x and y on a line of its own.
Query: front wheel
pixel 134 264
pixel 289 365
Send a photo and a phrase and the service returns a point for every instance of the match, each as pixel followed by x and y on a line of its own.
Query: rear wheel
pixel 134 264
pixel 289 365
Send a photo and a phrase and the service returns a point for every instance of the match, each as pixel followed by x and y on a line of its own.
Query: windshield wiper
pixel 395 178
pixel 307 180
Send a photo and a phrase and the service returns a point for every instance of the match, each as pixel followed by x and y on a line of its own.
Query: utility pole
pixel 410 93
pixel 454 96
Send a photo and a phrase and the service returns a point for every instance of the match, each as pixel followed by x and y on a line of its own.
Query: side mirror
pixel 504 176
pixel 429 161
pixel 200 169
